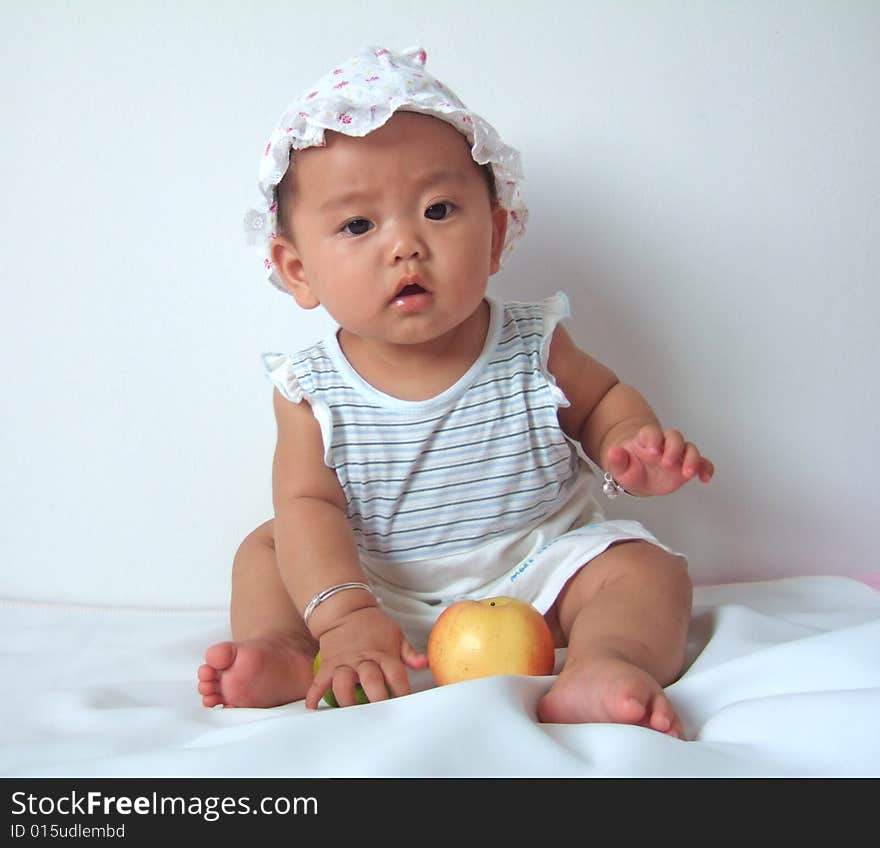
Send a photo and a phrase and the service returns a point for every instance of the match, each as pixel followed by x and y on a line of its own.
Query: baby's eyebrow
pixel 344 199
pixel 356 195
pixel 442 175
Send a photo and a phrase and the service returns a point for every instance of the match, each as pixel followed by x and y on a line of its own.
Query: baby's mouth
pixel 408 287
pixel 411 297
pixel 412 288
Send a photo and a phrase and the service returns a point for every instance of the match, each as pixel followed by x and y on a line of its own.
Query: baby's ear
pixel 499 233
pixel 285 257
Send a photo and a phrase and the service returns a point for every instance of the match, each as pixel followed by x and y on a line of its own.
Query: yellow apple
pixel 491 636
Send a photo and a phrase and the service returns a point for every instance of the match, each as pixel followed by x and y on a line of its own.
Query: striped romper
pixel 473 493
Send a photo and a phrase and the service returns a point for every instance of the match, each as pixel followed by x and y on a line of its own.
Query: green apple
pixel 329 698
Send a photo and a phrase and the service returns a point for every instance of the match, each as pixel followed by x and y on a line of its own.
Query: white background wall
pixel 703 180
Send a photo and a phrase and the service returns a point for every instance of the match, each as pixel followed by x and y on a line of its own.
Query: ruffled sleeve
pixel 555 309
pixel 279 371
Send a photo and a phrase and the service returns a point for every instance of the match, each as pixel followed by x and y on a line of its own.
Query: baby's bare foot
pixel 609 690
pixel 264 672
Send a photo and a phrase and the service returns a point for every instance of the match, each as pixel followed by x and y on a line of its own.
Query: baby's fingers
pixel 649 442
pixel 707 470
pixel 396 680
pixel 695 465
pixel 317 690
pixel 619 461
pixel 411 657
pixel 691 463
pixel 373 681
pixel 673 449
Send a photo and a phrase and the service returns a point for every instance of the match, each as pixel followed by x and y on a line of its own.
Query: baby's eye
pixel 439 211
pixel 357 227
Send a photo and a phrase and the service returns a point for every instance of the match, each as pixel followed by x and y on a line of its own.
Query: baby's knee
pixel 652 565
pixel 670 574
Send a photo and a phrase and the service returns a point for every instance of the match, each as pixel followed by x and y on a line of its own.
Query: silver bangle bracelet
pixel 327 593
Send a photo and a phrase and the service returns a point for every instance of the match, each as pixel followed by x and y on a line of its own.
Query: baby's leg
pixel 270 661
pixel 625 619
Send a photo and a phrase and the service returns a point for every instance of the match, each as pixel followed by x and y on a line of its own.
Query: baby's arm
pixel 617 427
pixel 316 550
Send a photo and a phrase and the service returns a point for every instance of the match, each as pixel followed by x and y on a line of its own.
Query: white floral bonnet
pixel 358 97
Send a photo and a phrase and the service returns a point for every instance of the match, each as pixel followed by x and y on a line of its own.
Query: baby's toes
pixel 209 687
pixel 221 655
pixel 208 673
pixel 629 709
pixel 210 692
pixel 663 717
pixel 629 702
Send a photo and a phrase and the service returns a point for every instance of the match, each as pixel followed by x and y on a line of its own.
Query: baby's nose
pixel 407 244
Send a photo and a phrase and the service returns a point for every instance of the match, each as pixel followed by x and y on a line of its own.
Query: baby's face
pixel 393 233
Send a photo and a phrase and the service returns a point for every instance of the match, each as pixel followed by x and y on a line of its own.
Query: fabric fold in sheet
pixel 783 679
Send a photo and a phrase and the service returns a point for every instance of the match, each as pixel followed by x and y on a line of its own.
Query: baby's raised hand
pixel 656 462
pixel 369 648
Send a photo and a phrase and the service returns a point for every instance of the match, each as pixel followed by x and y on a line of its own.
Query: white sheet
pixel 783 679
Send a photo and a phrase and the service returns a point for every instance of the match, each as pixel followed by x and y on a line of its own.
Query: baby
pixel 440 444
